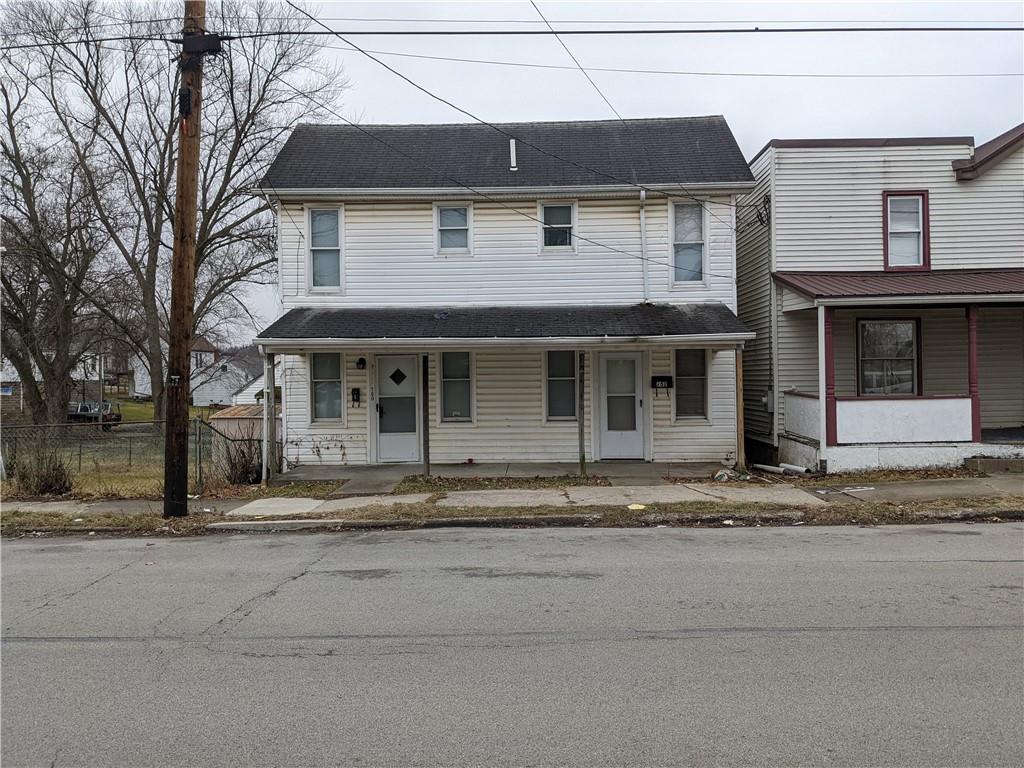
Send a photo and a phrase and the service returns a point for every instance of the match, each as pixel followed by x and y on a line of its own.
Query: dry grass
pixel 424 484
pixel 684 514
pixel 873 476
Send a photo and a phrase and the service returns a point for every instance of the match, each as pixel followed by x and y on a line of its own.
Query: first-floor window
pixel 887 356
pixel 327 389
pixel 691 383
pixel 325 247
pixel 561 403
pixel 456 387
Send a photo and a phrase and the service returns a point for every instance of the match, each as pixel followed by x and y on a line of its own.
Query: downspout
pixel 643 244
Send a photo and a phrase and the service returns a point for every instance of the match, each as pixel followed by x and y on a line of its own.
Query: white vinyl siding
pixel 755 290
pixel 510 423
pixel 828 207
pixel 389 257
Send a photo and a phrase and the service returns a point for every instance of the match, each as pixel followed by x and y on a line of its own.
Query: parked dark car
pixel 88 411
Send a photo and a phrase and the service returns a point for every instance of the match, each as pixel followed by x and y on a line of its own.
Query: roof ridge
pixel 549 123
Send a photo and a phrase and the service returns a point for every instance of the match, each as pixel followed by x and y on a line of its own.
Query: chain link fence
pixel 124 459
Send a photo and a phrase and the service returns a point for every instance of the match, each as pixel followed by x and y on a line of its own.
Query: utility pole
pixel 195 44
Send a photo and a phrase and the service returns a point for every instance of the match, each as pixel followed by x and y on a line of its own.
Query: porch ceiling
pixel 936 286
pixel 438 326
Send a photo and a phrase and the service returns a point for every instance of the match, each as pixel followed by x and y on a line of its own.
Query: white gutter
pixel 643 244
pixel 578 342
pixel 462 193
pixel 882 301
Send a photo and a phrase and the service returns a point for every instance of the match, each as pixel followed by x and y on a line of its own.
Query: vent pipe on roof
pixel 512 155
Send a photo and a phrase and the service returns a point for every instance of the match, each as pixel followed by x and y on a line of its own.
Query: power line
pixel 663 31
pixel 576 61
pixel 92 41
pixel 497 128
pixel 391 19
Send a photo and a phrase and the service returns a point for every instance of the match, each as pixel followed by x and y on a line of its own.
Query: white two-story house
pixel 885 281
pixel 466 294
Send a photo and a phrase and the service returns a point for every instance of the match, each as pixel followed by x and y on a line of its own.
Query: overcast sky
pixel 757 108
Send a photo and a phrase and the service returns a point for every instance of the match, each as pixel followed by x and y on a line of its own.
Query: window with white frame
pixel 905 226
pixel 688 243
pixel 325 248
pixel 326 385
pixel 453 228
pixel 887 357
pixel 691 383
pixel 456 386
pixel 557 225
pixel 561 385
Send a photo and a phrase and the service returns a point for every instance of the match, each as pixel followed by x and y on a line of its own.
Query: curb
pixel 267 526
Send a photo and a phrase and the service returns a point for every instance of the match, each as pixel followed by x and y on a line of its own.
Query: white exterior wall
pixel 508 408
pixel 828 207
pixel 755 290
pixel 247 395
pixel 388 257
pixel 213 386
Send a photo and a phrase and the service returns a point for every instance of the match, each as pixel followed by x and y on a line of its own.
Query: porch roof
pixel 706 322
pixel 946 284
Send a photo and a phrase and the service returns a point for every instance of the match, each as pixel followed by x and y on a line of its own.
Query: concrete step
pixel 992 466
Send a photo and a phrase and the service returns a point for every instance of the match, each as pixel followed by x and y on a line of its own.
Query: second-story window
pixel 454 223
pixel 688 243
pixel 325 248
pixel 556 227
pixel 906 230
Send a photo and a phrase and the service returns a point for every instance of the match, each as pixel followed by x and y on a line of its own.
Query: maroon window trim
pixel 918 363
pixel 926 240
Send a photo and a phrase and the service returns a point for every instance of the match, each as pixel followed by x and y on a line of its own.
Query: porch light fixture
pixel 361 364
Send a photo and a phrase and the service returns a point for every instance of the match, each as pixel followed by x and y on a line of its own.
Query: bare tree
pixel 51 245
pixel 115 105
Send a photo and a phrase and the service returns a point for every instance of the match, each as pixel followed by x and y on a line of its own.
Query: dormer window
pixel 906 230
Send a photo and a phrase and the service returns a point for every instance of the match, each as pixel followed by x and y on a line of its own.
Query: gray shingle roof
pixel 506 322
pixel 677 150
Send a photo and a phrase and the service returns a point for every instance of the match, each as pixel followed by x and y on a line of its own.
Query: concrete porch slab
pixel 589 495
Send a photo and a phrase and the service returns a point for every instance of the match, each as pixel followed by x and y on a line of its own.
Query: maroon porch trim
pixel 830 380
pixel 972 371
pixel 926 241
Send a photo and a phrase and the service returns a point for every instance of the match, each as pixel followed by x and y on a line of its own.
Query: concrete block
pixel 280 507
pixel 361 502
pixel 782 494
pixel 589 495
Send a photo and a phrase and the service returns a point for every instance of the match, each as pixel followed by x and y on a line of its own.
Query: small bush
pixel 41 470
pixel 242 461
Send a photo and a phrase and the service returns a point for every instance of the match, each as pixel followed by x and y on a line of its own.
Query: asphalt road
pixel 814 646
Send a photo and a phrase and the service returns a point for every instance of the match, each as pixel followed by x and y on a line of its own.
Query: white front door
pixel 398 437
pixel 622 423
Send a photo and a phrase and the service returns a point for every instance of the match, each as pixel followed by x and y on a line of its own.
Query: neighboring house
pixel 216 383
pixel 885 281
pixel 423 315
pixel 251 392
pixel 203 355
